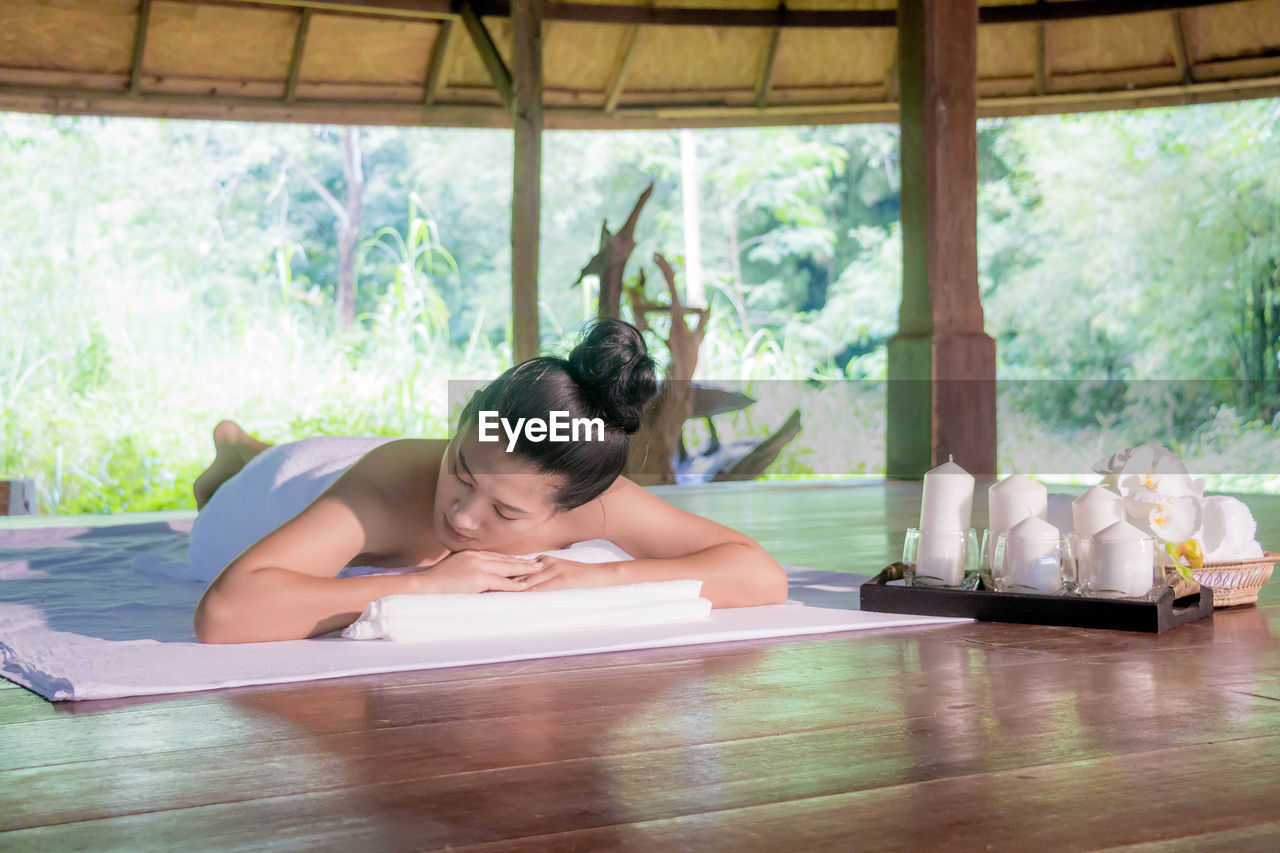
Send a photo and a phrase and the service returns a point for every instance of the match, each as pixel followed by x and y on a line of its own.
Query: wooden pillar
pixel 526 26
pixel 941 395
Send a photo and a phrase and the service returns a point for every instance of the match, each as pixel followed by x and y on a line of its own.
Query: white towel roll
pixel 421 618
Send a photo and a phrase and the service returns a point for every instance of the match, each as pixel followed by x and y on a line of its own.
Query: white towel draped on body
pixel 421 618
pixel 276 485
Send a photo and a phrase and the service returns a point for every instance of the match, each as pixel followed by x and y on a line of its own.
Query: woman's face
pixel 487 498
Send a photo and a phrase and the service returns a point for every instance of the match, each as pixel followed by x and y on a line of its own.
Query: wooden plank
pixel 435 68
pixel 498 71
pixel 619 78
pixel 139 51
pixel 295 59
pixel 1193 796
pixel 815 683
pixel 486 786
pixel 526 198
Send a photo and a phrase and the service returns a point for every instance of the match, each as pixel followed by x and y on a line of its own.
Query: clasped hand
pixel 489 571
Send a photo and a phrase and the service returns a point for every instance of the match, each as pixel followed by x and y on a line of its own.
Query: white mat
pixel 78 622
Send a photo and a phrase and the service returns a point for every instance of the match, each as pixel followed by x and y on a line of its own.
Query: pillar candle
pixel 1012 499
pixel 946 512
pixel 940 559
pixel 1032 558
pixel 1095 509
pixel 947 502
pixel 1122 561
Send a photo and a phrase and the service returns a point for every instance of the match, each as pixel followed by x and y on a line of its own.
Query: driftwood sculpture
pixel 659 447
pixel 657 444
pixel 611 259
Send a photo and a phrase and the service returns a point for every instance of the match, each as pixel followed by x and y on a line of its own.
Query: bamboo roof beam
pixel 139 48
pixel 75 99
pixel 295 58
pixel 618 80
pixel 676 16
pixel 892 81
pixel 436 65
pixel 412 9
pixel 498 71
pixel 1181 55
pixel 766 70
pixel 1042 76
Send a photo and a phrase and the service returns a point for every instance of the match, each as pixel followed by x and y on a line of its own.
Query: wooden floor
pixel 972 736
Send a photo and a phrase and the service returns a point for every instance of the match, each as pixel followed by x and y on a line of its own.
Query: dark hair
pixel 608 375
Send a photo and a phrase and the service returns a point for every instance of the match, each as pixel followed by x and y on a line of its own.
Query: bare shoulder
pixel 391 484
pixel 398 468
pixel 646 526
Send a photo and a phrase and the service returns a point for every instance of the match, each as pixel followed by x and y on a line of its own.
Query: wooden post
pixel 526 26
pixel 941 395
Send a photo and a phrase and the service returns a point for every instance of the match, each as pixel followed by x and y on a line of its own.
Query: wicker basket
pixel 1238 581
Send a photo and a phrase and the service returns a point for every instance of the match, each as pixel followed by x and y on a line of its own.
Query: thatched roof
pixel 608 63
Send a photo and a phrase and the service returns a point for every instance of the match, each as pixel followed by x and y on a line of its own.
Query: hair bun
pixel 611 365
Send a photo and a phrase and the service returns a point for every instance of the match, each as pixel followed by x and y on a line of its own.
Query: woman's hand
pixel 474 571
pixel 554 573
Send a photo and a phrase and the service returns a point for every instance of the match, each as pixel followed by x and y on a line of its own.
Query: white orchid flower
pixel 1176 520
pixel 1153 488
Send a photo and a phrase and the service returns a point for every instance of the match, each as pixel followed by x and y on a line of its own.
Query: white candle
pixel 1012 499
pixel 941 557
pixel 947 502
pixel 1096 509
pixel 946 511
pixel 1032 560
pixel 1121 561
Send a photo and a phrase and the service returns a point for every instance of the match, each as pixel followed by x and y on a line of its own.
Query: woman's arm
pixel 671 544
pixel 284 587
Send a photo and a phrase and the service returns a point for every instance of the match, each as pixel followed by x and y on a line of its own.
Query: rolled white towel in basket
pixel 436 617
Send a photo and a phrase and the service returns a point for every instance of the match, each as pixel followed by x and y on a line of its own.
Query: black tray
pixel 1078 612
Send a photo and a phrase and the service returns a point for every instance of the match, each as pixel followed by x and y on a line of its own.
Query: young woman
pixel 279 526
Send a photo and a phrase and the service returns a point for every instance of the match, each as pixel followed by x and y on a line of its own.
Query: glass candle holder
pixel 943 559
pixel 1128 569
pixel 1040 566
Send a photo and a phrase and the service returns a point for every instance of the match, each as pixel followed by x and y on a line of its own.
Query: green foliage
pixel 164 275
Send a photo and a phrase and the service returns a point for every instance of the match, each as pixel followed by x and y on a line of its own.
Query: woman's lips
pixel 453 531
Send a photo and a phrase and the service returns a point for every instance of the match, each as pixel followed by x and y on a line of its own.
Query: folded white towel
pixel 421 618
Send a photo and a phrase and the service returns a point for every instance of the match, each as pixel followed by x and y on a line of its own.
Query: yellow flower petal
pixel 1191 550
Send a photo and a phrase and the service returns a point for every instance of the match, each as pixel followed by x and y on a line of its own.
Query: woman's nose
pixel 463 514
